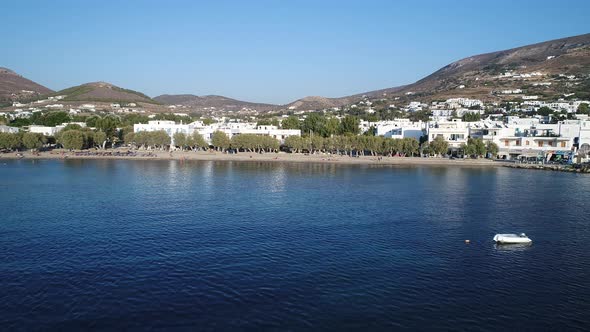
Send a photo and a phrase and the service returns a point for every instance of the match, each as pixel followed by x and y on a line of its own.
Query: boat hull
pixel 511 239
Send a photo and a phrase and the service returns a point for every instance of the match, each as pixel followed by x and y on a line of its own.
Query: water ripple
pixel 123 245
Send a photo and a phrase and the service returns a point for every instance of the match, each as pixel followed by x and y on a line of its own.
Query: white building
pixel 400 128
pixel 47 131
pixel 230 129
pixel 456 132
pixel 51 131
pixel 7 129
pixel 512 91
pixel 463 102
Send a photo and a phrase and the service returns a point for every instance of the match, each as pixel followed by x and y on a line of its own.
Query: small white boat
pixel 512 238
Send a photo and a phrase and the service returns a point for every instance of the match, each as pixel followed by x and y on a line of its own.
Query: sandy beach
pixel 246 156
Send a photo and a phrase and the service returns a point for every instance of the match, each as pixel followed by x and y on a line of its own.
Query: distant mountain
pixel 14 87
pixel 207 102
pixel 102 92
pixel 317 102
pixel 477 75
pixel 225 103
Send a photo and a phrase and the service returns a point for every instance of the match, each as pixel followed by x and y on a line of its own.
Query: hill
pixel 212 101
pixel 14 87
pixel 482 75
pixel 102 92
pixel 317 102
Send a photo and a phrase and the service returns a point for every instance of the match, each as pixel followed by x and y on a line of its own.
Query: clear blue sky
pixel 266 51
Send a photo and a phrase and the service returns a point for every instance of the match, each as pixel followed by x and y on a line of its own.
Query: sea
pixel 259 246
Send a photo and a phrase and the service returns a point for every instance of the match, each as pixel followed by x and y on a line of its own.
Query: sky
pixel 266 51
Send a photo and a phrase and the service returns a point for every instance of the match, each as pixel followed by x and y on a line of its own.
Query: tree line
pixel 74 137
pixel 353 145
pixel 22 140
pixel 244 142
pixel 476 147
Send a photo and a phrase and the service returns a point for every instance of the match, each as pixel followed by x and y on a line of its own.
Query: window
pixel 527 142
pixel 517 142
pixel 456 137
pixel 506 142
pixel 563 144
pixel 540 143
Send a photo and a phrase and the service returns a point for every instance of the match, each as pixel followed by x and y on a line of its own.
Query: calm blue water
pixel 114 245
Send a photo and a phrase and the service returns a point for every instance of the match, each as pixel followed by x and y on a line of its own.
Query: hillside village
pixel 556 130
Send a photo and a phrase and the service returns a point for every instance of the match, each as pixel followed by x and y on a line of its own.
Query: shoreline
pixel 252 157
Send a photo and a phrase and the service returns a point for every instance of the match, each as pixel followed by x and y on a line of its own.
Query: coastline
pixel 254 157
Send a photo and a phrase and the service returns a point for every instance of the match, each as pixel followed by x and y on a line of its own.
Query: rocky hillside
pixel 317 102
pixel 481 75
pixel 14 87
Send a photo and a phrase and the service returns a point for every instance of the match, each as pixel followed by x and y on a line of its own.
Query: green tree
pixel 314 124
pixel 268 122
pixel 439 146
pixel 492 148
pixel 9 141
pixel 208 121
pixel 71 140
pixel 374 144
pixel 197 141
pixel 72 126
pixel 422 115
pixel 392 146
pixel 331 127
pixel 350 125
pixel 544 111
pixel 159 139
pixel 295 143
pixel 220 141
pixel 291 122
pixel 91 121
pixel 100 139
pixel 474 147
pixel 372 131
pixel 131 119
pixel 33 141
pixel 583 108
pixel 427 149
pixel 53 119
pixel 480 147
pixel 181 140
pixel 108 125
pixel 317 143
pixel 410 146
pixel 471 117
pixel 129 138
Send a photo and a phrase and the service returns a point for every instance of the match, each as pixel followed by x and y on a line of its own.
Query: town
pixel 531 130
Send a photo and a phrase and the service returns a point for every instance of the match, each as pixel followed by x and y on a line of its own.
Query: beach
pixel 247 156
